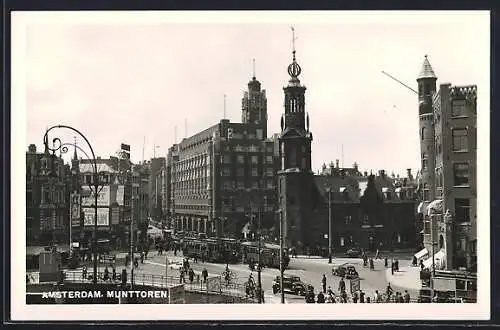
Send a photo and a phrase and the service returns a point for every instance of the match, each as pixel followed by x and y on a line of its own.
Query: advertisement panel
pixel 120 192
pixel 102 196
pixel 355 285
pixel 75 210
pixel 115 215
pixel 102 216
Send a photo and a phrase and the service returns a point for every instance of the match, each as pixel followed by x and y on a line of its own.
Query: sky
pixel 134 77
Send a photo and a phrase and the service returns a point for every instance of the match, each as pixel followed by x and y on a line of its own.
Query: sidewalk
pixel 408 277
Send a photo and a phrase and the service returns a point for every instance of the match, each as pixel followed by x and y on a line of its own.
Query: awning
pixel 422 207
pixel 342 189
pixel 435 207
pixel 438 260
pixel 398 189
pixel 385 189
pixel 421 253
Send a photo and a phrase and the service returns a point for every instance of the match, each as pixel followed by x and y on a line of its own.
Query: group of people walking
pixel 327 295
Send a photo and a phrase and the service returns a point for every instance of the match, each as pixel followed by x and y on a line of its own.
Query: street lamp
pixel 58 145
pixel 282 292
pixel 329 190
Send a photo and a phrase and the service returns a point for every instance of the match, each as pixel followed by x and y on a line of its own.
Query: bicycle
pixel 229 277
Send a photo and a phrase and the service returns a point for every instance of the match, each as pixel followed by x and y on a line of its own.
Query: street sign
pixel 106 258
pixel 355 285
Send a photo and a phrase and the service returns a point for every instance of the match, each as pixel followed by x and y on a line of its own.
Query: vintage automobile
pixel 353 252
pixel 347 271
pixel 291 284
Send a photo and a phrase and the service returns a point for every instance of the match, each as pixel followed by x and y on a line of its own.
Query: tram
pixel 269 254
pixel 211 250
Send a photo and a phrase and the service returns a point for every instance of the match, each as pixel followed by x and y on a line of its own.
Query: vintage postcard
pixel 329 164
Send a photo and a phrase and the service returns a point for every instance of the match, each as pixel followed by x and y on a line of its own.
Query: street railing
pixel 214 284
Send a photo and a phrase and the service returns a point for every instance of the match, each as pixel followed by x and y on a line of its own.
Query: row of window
pixel 240 159
pixel 460 141
pixel 230 185
pixel 227 171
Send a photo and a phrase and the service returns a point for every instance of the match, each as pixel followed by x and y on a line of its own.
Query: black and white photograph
pixel 209 163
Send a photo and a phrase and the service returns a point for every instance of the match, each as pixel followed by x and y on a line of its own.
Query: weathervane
pixel 293 41
pixel 294 69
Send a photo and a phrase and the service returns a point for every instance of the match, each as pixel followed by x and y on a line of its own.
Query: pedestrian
pixel 127 260
pixel 323 282
pixel 397 265
pixel 204 274
pixel 389 291
pixel 407 297
pixel 142 257
pixel 124 276
pixel 385 262
pixel 355 297
pixel 114 274
pixel 344 297
pixel 361 296
pixel 320 299
pixel 400 298
pixel 329 298
pixel 329 291
pixel 84 272
pixel 372 265
pixel 421 265
pixel 106 274
pixel 392 267
pixel 310 298
pixel 377 256
pixel 377 296
pixel 367 300
pixel 191 275
pixel 341 284
pixel 181 276
pixel 414 263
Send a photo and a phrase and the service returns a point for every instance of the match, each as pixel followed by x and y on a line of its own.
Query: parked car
pixel 292 284
pixel 347 271
pixel 353 252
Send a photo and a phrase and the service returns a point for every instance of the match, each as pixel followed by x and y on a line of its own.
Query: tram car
pixel 269 254
pixel 211 250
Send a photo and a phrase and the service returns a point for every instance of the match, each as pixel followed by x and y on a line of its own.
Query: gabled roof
pixel 426 71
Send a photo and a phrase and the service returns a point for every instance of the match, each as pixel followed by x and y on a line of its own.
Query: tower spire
pixel 75 157
pixel 253 68
pixel 426 71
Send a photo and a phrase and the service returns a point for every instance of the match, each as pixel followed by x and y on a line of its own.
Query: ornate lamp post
pixel 62 147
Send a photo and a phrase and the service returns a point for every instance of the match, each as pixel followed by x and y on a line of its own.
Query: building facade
pixel 47 198
pixel 448 181
pixel 221 178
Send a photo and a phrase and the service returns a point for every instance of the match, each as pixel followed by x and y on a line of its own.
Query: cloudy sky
pixel 126 77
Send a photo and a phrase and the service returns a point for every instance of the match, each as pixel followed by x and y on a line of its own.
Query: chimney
pixel 331 168
pixel 32 148
pixel 336 163
pixel 355 166
pixel 365 173
pixel 381 173
pixel 408 171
